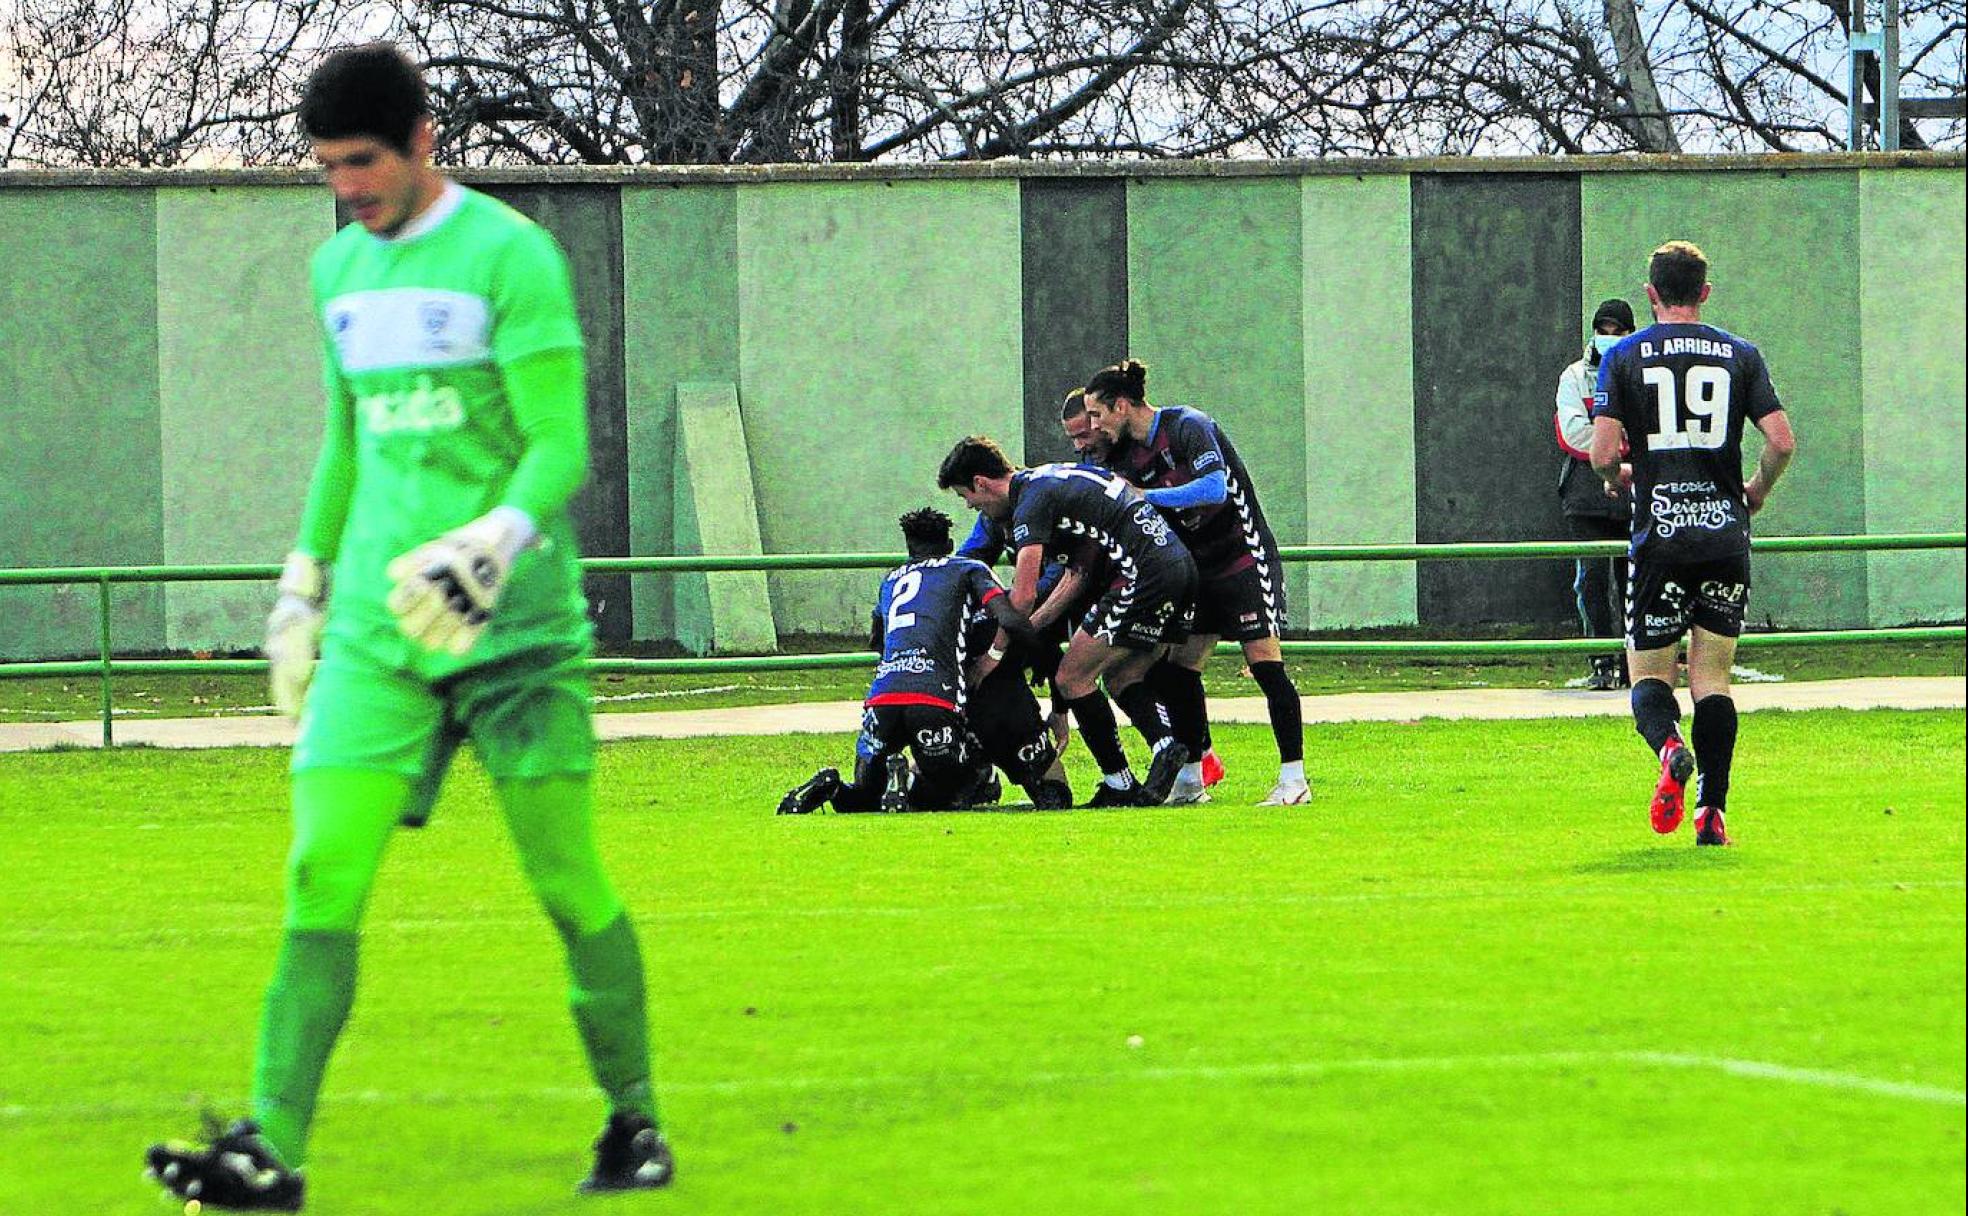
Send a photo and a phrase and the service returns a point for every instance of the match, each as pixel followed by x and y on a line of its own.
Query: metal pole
pixel 1889 80
pixel 109 734
pixel 1855 53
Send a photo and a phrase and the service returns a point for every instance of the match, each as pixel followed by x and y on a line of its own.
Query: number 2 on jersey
pixel 1706 423
pixel 906 588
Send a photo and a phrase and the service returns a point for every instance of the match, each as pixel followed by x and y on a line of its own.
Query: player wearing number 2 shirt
pixel 1678 394
pixel 915 704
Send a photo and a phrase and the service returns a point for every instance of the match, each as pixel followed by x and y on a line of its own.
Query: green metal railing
pixel 105 666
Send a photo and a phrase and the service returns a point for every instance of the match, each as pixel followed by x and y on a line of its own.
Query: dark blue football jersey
pixel 922 612
pixel 1066 505
pixel 1187 445
pixel 1683 392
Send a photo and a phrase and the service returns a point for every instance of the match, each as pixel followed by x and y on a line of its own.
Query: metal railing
pixel 105 666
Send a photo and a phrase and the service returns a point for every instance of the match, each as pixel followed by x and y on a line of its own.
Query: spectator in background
pixel 1590 512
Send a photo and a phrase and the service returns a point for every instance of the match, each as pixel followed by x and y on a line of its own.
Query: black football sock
pixel 1281 699
pixel 1146 711
pixel 1656 714
pixel 1101 733
pixel 1181 690
pixel 1715 747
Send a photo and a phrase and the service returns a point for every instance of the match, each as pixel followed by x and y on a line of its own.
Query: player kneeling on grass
pixel 1146 607
pixel 456 437
pixel 916 704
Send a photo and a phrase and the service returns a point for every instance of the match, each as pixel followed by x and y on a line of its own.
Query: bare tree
pixel 157 82
pixel 749 81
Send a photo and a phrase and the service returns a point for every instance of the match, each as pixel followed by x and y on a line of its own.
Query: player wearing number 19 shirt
pixel 1678 393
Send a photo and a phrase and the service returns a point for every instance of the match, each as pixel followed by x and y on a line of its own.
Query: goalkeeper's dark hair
pixel 371 91
pixel 1128 378
pixel 1073 406
pixel 927 531
pixel 973 457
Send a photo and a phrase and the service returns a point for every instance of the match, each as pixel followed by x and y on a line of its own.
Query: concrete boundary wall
pixel 1381 339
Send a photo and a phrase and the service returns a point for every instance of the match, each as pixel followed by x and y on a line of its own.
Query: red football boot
pixel 1212 768
pixel 1708 826
pixel 1670 800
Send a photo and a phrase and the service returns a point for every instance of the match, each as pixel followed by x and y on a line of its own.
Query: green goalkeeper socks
pixel 306 1005
pixel 606 996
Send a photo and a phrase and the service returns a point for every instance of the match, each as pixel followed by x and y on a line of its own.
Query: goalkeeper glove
pixel 294 631
pixel 446 590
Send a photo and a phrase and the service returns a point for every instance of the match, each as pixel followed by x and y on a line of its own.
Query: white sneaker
pixel 1187 792
pixel 1289 793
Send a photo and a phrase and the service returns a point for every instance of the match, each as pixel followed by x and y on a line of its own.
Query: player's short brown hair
pixel 1128 378
pixel 1073 406
pixel 974 456
pixel 1677 272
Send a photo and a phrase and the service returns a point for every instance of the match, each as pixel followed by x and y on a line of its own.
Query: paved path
pixel 844 717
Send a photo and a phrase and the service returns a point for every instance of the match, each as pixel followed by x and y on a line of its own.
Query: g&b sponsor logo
pixel 1717 592
pixel 936 740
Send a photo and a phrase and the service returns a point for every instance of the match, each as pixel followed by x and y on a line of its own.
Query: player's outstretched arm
pixel 1063 595
pixel 1779 445
pixel 293 636
pixel 1011 620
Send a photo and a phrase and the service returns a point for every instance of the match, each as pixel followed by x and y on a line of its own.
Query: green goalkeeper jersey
pixel 425 333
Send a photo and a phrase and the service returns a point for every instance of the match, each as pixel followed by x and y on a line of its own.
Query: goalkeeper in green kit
pixel 437 572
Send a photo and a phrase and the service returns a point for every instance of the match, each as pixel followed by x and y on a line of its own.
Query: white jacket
pixel 1576 384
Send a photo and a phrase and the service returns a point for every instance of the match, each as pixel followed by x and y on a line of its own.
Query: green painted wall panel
pixel 235 338
pixel 587 221
pixel 1495 305
pixel 80 480
pixel 1359 398
pixel 1784 265
pixel 879 323
pixel 1911 322
pixel 1076 296
pixel 679 323
pixel 1215 300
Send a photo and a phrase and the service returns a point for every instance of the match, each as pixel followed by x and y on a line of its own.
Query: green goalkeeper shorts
pixel 527 714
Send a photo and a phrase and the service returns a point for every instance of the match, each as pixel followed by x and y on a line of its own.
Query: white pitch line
pixel 52 936
pixel 1818 1078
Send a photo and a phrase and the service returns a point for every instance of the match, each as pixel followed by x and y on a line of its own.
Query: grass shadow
pixel 1660 859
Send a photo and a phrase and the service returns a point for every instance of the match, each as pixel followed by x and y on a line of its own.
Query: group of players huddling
pixel 1140 557
pixel 1128 567
pixel 433 595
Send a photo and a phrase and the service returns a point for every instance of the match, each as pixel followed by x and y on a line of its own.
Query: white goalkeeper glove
pixel 294 631
pixel 446 590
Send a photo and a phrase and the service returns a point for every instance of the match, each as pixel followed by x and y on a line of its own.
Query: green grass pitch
pixel 1468 979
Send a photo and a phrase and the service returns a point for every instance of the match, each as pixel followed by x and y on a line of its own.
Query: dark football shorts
pixel 1243 606
pixel 1007 722
pixel 1664 598
pixel 948 761
pixel 1158 608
